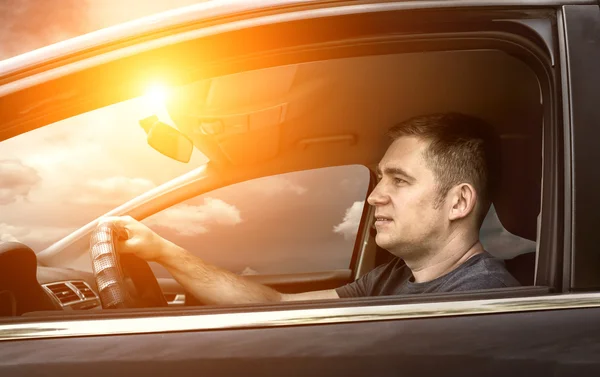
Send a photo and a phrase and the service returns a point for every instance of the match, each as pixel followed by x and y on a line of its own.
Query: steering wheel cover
pixel 114 274
pixel 107 269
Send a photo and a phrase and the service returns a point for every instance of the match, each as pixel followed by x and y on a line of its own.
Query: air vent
pixel 85 289
pixel 63 293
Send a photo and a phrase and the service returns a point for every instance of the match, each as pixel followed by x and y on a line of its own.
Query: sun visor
pixel 236 118
pixel 244 138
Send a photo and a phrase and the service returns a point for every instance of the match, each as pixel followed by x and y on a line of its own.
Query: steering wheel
pixel 124 281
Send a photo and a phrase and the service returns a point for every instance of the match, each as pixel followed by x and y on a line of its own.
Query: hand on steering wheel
pixel 135 238
pixel 114 272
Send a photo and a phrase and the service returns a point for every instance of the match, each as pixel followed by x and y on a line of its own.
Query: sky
pixel 297 222
pixel 31 24
pixel 57 178
pixel 30 183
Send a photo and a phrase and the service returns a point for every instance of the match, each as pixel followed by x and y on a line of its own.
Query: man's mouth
pixel 382 220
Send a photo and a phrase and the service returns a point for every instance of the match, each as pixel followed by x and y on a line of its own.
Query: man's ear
pixel 463 198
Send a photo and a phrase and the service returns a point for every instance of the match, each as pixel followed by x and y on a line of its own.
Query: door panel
pixel 305 282
pixel 517 344
pixel 582 25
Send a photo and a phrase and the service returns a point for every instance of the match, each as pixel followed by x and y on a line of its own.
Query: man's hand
pixel 136 238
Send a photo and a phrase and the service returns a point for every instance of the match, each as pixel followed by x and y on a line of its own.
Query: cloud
pixel 16 180
pixel 249 271
pixel 190 220
pixel 274 185
pixel 7 237
pixel 30 24
pixel 32 236
pixel 349 226
pixel 355 183
pixel 112 191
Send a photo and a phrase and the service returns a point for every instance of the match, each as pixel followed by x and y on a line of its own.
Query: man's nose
pixel 377 197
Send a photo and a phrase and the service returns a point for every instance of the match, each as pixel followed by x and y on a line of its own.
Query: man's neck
pixel 445 260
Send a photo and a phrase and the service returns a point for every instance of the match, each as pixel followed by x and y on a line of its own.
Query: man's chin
pixel 383 241
pixel 393 246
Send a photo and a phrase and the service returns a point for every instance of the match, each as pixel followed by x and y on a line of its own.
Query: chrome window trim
pixel 569 178
pixel 292 317
pixel 283 16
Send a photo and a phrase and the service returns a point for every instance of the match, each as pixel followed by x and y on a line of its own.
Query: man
pixel 435 186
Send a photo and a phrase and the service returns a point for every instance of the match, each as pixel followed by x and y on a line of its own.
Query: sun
pixel 156 95
pixel 154 102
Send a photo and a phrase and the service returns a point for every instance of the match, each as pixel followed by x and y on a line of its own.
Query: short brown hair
pixel 462 149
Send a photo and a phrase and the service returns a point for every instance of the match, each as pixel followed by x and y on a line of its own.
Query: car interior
pixel 318 114
pixel 336 112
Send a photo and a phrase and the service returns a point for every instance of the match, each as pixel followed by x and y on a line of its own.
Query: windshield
pixel 57 178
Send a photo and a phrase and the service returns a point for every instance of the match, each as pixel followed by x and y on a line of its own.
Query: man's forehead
pixel 391 167
pixel 405 152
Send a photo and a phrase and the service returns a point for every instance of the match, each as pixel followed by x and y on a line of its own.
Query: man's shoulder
pixel 382 280
pixel 482 271
pixel 392 267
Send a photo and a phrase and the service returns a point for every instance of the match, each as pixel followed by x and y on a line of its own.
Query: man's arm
pixel 209 284
pixel 212 285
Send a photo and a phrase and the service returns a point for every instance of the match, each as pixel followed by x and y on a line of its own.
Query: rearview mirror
pixel 167 140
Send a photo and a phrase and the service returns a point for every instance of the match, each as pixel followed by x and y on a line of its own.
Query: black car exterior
pixel 549 328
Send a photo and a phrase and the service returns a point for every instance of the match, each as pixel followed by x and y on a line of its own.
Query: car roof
pixel 219 10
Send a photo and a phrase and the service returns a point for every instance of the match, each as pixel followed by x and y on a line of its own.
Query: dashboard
pixel 70 289
pixel 27 288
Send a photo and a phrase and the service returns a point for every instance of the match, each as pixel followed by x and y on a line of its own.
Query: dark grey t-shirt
pixel 481 271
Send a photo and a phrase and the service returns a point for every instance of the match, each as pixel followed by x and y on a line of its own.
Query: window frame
pixel 472 306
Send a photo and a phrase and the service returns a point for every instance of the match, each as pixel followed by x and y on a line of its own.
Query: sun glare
pixel 154 102
pixel 156 95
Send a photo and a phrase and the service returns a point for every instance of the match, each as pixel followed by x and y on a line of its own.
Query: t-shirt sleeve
pixel 355 289
pixel 363 286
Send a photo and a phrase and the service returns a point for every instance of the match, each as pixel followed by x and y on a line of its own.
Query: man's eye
pixel 399 181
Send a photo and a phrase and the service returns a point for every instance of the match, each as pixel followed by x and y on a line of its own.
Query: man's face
pixel 405 200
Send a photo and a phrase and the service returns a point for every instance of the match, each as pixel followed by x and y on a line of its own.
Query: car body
pixel 530 66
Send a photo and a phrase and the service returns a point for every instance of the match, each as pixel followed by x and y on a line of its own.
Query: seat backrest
pixel 517 200
pixel 18 267
pixel 522 267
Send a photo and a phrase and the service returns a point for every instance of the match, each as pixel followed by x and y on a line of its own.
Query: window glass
pixel 297 222
pixel 55 179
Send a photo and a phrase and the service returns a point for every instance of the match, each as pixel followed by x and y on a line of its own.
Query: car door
pixel 516 332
